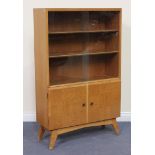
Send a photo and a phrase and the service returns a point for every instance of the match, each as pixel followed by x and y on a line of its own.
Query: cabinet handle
pixel 91 103
pixel 83 104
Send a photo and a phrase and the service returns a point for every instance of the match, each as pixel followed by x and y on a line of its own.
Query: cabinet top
pixel 79 9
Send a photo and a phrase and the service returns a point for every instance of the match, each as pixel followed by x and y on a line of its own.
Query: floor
pixel 88 141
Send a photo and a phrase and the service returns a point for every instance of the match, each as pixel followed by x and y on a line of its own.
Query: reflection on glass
pixel 83 46
pixel 82 68
pixel 82 21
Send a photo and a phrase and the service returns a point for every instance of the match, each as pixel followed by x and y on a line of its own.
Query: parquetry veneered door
pixel 103 100
pixel 67 106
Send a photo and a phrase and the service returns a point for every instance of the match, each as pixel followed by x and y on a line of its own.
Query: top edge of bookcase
pixel 80 9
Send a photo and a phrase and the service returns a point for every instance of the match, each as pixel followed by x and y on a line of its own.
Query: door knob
pixel 91 103
pixel 83 104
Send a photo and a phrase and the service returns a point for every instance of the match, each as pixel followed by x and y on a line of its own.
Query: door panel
pixel 103 100
pixel 67 106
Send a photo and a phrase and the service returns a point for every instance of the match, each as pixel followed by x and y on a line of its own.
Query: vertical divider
pixel 87 107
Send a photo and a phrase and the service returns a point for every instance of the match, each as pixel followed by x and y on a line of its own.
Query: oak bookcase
pixel 77 69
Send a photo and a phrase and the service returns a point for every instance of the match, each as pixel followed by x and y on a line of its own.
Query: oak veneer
pixel 41 65
pixel 67 106
pixel 104 101
pixel 77 69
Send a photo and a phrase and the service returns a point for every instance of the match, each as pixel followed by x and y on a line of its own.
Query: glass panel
pixel 60 22
pixel 83 68
pixel 66 44
pixel 66 21
pixel 102 42
pixel 67 70
pixel 102 66
pixel 105 20
pixel 67 37
pixel 78 42
pixel 104 26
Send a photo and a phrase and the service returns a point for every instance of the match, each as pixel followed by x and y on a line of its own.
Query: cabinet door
pixel 103 100
pixel 67 106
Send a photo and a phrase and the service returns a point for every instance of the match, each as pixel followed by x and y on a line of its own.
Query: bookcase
pixel 77 69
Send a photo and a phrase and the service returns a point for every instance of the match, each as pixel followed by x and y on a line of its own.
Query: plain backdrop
pixel 28 47
pixel 11 63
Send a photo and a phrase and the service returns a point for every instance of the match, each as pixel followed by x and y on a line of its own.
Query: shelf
pixel 64 45
pixel 83 46
pixel 89 31
pixel 66 80
pixel 82 22
pixel 82 54
pixel 79 69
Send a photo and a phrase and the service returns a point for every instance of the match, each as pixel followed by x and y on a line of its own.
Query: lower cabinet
pixel 84 103
pixel 67 106
pixel 103 100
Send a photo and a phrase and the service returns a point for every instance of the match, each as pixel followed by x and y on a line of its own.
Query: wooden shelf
pixel 82 54
pixel 89 31
pixel 65 80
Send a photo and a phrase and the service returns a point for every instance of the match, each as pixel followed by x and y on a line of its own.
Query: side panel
pixel 41 64
pixel 67 106
pixel 103 100
pixel 120 41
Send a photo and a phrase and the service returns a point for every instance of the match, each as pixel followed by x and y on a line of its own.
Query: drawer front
pixel 67 106
pixel 103 100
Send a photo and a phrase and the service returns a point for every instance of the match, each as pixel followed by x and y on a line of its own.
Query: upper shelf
pixel 89 31
pixel 83 22
pixel 81 54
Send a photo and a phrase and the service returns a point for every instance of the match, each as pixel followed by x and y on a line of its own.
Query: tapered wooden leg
pixel 116 127
pixel 41 133
pixel 55 133
pixel 53 139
